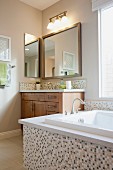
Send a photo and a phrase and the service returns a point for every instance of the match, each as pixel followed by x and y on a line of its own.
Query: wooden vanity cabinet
pixel 27 109
pixel 40 104
pixel 39 108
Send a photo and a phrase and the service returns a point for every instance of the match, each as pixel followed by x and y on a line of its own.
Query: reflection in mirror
pixel 31 58
pixel 49 58
pixel 63 53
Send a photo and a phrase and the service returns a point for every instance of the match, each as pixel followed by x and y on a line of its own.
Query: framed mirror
pixel 62 53
pixel 31 56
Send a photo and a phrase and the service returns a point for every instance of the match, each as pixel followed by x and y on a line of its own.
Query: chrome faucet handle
pixel 65 112
pixel 77 110
pixel 71 112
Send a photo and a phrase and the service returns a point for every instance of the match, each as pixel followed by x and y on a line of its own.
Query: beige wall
pixel 80 11
pixel 16 18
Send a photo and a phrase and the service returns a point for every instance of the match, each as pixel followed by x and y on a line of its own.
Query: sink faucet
pixel 81 101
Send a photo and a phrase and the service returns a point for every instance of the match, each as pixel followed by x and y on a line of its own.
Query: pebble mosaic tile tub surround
pixel 44 150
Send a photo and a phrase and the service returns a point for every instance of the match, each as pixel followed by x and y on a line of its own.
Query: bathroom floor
pixel 11 154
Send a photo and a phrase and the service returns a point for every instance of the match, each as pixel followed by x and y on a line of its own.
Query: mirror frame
pixel 78 25
pixel 38 39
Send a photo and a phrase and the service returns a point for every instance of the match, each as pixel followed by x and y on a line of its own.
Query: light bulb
pixel 50 25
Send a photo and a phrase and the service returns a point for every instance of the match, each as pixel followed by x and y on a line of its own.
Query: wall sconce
pixel 58 21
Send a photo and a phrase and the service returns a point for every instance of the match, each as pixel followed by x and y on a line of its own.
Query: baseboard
pixel 9 134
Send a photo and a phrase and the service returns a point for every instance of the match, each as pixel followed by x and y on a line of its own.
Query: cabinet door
pixel 39 108
pixel 27 109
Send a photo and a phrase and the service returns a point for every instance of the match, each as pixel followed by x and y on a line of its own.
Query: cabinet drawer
pixel 52 107
pixel 33 96
pixel 41 97
pixel 54 97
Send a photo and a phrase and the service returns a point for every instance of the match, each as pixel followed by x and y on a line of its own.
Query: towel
pixel 3 74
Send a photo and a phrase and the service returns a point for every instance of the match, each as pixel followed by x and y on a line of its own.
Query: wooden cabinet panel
pixel 33 96
pixel 53 107
pixel 54 97
pixel 39 108
pixel 30 96
pixel 27 109
pixel 41 97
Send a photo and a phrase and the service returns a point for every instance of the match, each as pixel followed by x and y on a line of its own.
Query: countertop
pixel 39 122
pixel 54 91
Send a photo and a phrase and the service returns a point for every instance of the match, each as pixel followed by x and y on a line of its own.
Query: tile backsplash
pixel 98 105
pixel 76 84
pixel 27 86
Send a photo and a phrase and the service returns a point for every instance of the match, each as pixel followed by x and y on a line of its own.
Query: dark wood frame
pixel 79 53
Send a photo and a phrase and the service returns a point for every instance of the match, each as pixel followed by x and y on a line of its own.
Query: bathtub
pixel 97 122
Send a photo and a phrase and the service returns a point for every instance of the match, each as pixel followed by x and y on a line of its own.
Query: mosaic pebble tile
pixel 27 86
pixel 47 151
pixel 76 84
pixel 98 105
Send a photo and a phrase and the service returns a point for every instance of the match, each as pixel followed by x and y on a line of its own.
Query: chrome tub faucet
pixel 81 101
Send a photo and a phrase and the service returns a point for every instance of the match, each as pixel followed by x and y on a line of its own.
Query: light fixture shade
pixel 57 24
pixel 50 26
pixel 65 21
pixel 59 21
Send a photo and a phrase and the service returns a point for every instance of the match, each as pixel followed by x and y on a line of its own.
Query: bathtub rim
pixel 38 122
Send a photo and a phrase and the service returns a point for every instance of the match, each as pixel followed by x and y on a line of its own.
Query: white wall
pixel 16 18
pixel 80 11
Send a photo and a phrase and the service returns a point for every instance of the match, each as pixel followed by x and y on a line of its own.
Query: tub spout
pixel 81 101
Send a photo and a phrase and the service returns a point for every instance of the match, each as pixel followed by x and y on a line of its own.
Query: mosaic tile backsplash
pixel 44 150
pixel 27 86
pixel 98 105
pixel 76 84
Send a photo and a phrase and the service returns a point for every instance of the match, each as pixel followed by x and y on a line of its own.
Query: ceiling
pixel 40 4
pixel 32 49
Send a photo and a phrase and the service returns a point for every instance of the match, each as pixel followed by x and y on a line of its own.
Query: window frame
pixel 100 53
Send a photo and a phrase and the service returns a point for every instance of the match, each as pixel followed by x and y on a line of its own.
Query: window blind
pixel 99 4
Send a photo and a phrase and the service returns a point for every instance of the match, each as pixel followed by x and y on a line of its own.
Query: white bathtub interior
pixel 97 121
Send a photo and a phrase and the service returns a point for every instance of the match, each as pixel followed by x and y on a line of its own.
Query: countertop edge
pixel 54 91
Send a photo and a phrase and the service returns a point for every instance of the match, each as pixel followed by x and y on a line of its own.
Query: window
pixel 106 52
